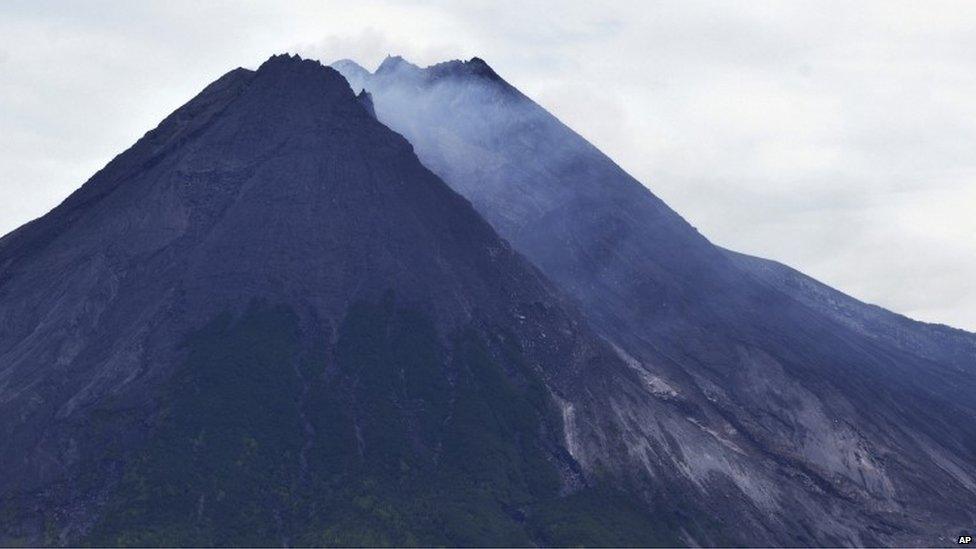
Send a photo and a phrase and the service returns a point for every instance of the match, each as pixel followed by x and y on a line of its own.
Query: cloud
pixel 372 44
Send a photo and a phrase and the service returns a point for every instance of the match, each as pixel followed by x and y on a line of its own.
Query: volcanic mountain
pixel 813 418
pixel 268 323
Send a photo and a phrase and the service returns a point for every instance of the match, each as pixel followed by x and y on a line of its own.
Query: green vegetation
pixel 222 461
pixel 394 437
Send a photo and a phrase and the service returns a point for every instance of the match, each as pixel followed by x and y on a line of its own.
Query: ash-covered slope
pixel 937 342
pixel 821 424
pixel 267 323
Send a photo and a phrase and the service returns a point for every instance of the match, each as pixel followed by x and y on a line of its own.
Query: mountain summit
pixel 268 323
pixel 818 419
pixel 272 322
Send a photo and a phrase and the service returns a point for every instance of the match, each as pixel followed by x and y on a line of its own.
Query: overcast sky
pixel 839 138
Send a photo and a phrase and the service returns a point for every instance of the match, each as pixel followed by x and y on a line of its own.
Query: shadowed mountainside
pixel 267 323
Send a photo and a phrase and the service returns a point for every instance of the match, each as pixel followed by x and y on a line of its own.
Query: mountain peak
pixel 345 64
pixel 395 66
pixel 299 86
pixel 286 59
pixel 354 73
pixel 294 65
pixel 275 267
pixel 394 63
pixel 475 66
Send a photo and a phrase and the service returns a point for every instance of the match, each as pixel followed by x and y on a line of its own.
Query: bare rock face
pixel 769 408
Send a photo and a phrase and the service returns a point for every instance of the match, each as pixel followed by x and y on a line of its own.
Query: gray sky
pixel 839 138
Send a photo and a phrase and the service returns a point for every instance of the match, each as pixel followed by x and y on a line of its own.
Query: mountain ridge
pixel 276 320
pixel 267 322
pixel 857 413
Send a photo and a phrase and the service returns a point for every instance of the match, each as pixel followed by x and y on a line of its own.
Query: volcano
pixel 267 323
pixel 820 419
pixel 274 320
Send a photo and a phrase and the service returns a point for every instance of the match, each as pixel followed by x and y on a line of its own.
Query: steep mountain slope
pixel 268 323
pixel 936 342
pixel 827 425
